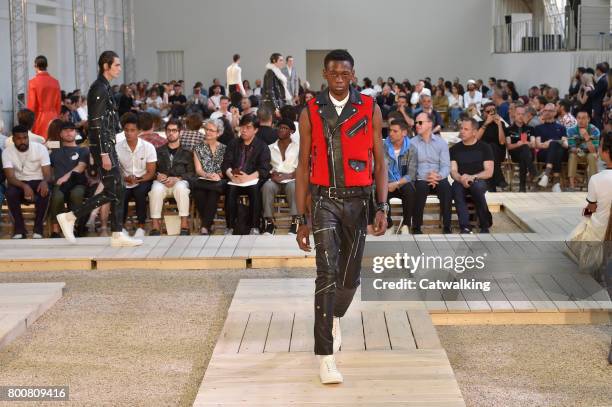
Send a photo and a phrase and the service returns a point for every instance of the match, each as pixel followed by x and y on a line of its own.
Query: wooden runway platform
pixel 23 303
pixel 264 354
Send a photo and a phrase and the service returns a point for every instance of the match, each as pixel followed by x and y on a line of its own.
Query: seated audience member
pixel 210 184
pixel 247 107
pixel 178 102
pixel 214 98
pixel 472 95
pixel 26 119
pixel 500 101
pixel 145 126
pixel 583 142
pixel 532 117
pixel 191 136
pixel 471 167
pixel 385 100
pixel 426 106
pixel 455 105
pixel 265 131
pixel 566 118
pixel 403 107
pixel 519 141
pixel 68 163
pixel 246 160
pixel 440 100
pixel 224 109
pixel 493 132
pixel 284 160
pixel 137 159
pixel 401 168
pixel 551 142
pixel 175 169
pixel 154 102
pixel 197 102
pixel 53 134
pixel 433 168
pixel 27 168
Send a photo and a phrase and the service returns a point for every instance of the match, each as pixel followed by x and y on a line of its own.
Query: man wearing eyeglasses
pixel 494 132
pixel 552 145
pixel 433 169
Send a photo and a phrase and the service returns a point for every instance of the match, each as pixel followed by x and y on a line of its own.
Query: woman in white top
pixel 154 102
pixel 455 104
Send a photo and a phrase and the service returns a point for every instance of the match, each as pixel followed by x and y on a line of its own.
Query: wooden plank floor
pixel 23 303
pixel 264 354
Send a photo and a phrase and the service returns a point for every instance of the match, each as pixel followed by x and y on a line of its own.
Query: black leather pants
pixel 339 229
pixel 113 192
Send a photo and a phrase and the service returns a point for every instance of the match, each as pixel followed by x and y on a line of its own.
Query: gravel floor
pixel 144 338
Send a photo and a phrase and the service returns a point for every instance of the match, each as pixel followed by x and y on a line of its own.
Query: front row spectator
pixel 174 171
pixel 247 165
pixel 519 141
pixel 401 168
pixel 191 136
pixel 137 160
pixel 471 167
pixel 145 126
pixel 69 163
pixel 551 142
pixel 210 184
pixel 583 142
pixel 284 155
pixel 27 168
pixel 433 168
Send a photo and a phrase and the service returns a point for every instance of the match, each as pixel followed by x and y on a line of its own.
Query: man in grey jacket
pixel 293 82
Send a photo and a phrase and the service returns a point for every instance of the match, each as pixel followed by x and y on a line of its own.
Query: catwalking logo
pixel 458 264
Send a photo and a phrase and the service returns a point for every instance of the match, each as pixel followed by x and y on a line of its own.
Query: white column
pixel 19 54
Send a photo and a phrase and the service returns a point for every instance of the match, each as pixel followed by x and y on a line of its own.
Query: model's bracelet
pixel 382 206
pixel 301 219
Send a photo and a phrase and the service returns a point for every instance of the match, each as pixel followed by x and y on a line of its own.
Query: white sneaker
pixel 118 239
pixel 336 334
pixel 66 223
pixel 390 231
pixel 405 230
pixel 125 232
pixel 17 236
pixel 139 233
pixel 543 182
pixel 254 231
pixel 556 187
pixel 37 236
pixel 328 372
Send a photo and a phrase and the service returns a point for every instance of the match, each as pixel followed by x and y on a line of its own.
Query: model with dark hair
pixel 340 149
pixel 103 126
pixel 275 90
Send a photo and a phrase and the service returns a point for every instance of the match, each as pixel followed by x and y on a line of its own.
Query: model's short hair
pixel 274 57
pixel 236 57
pixel 41 62
pixel 338 55
pixel 106 58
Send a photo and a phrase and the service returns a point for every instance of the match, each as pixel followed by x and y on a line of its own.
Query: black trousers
pixel 477 191
pixel 14 199
pixel 524 158
pixel 443 192
pixel 113 192
pixel 407 193
pixel 206 195
pixel 139 194
pixel 339 229
pixel 555 154
pixel 231 203
pixel 499 154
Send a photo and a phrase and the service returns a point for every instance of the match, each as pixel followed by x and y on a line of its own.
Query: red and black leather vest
pixel 341 146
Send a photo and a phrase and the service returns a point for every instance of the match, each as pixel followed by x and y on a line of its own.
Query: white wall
pixel 394 37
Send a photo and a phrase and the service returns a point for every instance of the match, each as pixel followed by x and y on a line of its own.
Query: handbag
pixel 586 248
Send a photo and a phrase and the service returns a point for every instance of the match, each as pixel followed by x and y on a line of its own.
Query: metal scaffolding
pixel 101 26
pixel 19 52
pixel 129 46
pixel 81 63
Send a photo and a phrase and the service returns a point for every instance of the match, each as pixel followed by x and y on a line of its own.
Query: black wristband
pixel 302 219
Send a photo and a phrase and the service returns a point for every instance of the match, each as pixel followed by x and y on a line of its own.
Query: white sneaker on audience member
pixel 139 233
pixel 37 236
pixel 17 236
pixel 543 182
pixel 556 187
pixel 336 334
pixel 118 239
pixel 328 372
pixel 66 223
pixel 405 230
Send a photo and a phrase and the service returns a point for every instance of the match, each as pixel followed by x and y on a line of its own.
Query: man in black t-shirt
pixel 178 102
pixel 494 132
pixel 471 167
pixel 68 163
pixel 519 141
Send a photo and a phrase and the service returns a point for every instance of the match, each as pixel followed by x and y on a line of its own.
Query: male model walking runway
pixel 340 147
pixel 103 126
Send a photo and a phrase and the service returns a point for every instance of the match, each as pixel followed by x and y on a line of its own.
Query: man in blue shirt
pixel 433 168
pixel 551 141
pixel 401 167
pixel 583 143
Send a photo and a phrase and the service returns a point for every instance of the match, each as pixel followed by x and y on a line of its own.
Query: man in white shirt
pixel 472 95
pixel 223 111
pixel 28 172
pixel 284 160
pixel 137 159
pixel 234 81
